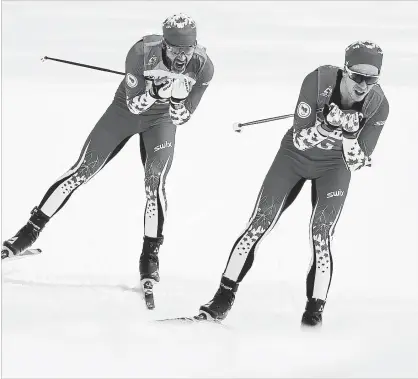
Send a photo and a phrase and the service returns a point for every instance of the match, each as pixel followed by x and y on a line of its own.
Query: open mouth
pixel 359 93
pixel 179 65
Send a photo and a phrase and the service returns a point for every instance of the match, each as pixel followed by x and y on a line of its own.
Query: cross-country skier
pixel 166 77
pixel 339 116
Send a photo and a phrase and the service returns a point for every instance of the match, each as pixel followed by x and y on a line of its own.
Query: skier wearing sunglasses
pixel 339 116
pixel 166 77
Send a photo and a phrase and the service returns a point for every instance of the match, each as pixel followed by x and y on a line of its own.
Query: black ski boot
pixel 223 300
pixel 148 262
pixel 148 268
pixel 26 236
pixel 313 313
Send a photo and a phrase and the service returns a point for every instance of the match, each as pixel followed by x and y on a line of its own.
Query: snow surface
pixel 73 312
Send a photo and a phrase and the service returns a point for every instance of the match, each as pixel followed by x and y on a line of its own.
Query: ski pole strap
pixel 45 58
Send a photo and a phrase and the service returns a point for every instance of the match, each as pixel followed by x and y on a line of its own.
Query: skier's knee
pixel 153 175
pixel 263 218
pixel 82 171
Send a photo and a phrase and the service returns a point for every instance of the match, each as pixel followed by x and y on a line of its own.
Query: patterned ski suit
pixel 134 111
pixel 305 154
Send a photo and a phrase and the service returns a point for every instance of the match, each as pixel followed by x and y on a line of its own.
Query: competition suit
pixel 306 154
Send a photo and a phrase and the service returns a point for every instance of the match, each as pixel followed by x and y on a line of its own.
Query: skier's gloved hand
pixel 332 117
pixel 351 123
pixel 161 88
pixel 181 89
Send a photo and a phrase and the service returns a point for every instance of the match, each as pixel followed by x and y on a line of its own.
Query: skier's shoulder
pixel 377 101
pixel 323 71
pixel 328 69
pixel 207 71
pixel 310 82
pixel 137 50
pixel 149 40
pixel 204 65
pixel 327 74
pixel 378 91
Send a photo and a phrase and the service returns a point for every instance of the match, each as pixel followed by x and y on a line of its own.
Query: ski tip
pixel 8 255
pixel 149 302
pixel 198 318
pixel 177 319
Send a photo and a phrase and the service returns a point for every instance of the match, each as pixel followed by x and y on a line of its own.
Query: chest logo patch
pixel 131 81
pixel 303 110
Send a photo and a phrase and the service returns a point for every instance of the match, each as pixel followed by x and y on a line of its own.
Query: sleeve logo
pixel 304 110
pixel 131 81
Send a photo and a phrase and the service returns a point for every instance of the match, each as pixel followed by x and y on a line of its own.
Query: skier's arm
pixel 182 109
pixel 306 127
pixel 138 99
pixel 358 148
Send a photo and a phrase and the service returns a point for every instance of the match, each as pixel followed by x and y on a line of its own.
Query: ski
pixel 9 256
pixel 199 318
pixel 148 288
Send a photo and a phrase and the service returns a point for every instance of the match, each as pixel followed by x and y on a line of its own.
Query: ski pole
pixel 238 126
pixel 82 65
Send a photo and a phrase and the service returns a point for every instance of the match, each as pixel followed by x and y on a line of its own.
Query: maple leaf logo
pixel 366 44
pixel 180 20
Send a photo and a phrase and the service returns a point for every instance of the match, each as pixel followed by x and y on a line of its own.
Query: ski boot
pixel 148 268
pixel 26 236
pixel 313 313
pixel 221 304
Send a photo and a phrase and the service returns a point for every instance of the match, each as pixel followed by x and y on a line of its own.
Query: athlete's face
pixel 358 80
pixel 179 56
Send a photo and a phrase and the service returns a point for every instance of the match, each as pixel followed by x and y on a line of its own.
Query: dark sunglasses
pixel 359 78
pixel 177 50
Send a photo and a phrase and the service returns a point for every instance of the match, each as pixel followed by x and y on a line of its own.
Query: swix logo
pixel 162 146
pixel 335 193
